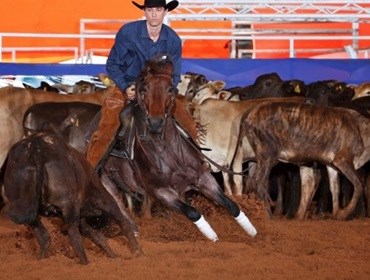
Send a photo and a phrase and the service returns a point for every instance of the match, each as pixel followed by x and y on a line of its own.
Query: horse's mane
pixel 158 65
pixel 193 110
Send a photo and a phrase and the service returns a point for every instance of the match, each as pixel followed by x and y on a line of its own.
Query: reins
pixel 203 156
pixel 212 162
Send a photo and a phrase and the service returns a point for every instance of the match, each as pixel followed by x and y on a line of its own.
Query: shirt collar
pixel 144 32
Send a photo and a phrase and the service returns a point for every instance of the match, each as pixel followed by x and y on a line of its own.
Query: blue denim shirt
pixel 133 48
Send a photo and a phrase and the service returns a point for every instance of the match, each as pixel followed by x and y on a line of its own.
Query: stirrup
pixel 120 153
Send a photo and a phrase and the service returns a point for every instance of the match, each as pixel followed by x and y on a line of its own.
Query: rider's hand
pixel 130 92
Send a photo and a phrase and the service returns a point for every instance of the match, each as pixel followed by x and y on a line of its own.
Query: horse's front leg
pixel 208 186
pixel 172 200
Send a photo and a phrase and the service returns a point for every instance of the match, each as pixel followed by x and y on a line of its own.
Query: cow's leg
pixel 210 188
pixel 42 237
pixel 72 219
pixel 249 184
pixel 323 193
pixel 2 195
pixel 97 237
pixel 281 182
pixel 308 187
pixel 348 170
pixel 265 162
pixel 367 194
pixel 237 166
pixel 334 186
pixel 226 180
pixel 171 199
pixel 259 184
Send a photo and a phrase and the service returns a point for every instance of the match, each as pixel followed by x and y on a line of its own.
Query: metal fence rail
pixel 292 39
pixel 238 14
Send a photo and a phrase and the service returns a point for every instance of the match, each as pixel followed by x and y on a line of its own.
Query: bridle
pixel 141 93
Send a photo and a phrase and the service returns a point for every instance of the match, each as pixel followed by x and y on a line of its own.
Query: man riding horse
pixel 135 43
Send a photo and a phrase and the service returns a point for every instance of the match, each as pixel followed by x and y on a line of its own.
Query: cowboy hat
pixel 157 3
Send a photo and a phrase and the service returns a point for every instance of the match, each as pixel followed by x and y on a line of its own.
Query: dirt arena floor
pixel 175 249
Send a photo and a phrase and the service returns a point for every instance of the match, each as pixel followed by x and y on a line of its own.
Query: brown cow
pixel 43 170
pixel 304 133
pixel 14 102
pixel 222 121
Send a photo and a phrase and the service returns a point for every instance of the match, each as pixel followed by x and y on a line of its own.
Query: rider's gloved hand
pixel 130 92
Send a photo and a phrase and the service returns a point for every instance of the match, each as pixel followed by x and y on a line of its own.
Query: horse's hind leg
pixel 210 188
pixel 111 188
pixel 127 231
pixel 171 199
pixel 97 237
pixel 109 204
pixel 42 236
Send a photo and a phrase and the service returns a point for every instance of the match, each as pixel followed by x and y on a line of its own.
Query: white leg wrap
pixel 206 229
pixel 244 222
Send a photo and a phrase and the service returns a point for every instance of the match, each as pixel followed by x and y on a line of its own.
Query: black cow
pixel 43 86
pixel 42 171
pixel 269 85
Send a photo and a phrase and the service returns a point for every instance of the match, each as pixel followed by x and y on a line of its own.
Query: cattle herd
pixel 303 149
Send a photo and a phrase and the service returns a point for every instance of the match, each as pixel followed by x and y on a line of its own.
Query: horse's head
pixel 156 93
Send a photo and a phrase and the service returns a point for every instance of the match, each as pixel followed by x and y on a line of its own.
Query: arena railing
pixel 291 39
pixel 15 50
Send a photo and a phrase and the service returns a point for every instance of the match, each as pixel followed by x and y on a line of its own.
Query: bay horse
pixel 166 163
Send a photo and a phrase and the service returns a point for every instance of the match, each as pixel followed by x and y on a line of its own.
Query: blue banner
pixel 235 72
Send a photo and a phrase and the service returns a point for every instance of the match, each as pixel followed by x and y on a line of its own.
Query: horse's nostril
pixel 155 125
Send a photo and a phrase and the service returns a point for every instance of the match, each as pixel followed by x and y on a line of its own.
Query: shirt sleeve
pixel 176 53
pixel 114 65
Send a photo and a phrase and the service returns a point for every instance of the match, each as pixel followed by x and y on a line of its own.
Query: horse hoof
pixel 85 262
pixel 138 253
pixel 112 255
pixel 341 216
pixel 41 255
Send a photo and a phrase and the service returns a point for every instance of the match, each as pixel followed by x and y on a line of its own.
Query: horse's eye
pixel 142 90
